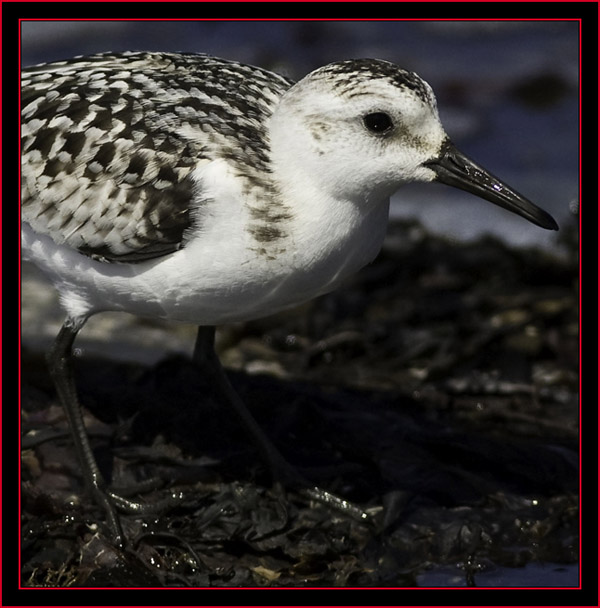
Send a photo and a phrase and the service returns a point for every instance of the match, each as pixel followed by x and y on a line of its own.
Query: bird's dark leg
pixel 59 362
pixel 206 358
pixel 281 471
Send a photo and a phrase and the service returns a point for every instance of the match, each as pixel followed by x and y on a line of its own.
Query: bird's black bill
pixel 455 169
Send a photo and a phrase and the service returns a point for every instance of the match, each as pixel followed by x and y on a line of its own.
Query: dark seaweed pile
pixel 437 392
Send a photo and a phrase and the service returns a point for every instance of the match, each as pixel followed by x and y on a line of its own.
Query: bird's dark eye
pixel 378 122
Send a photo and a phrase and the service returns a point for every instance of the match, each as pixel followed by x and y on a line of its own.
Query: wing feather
pixel 109 143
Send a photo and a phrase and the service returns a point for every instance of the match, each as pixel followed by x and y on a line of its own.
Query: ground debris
pixel 437 393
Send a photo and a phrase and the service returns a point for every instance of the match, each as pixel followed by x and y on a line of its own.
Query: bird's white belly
pixel 210 281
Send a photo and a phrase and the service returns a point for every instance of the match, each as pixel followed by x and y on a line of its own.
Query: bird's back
pixel 109 143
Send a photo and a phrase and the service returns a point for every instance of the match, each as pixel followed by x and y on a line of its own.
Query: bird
pixel 188 187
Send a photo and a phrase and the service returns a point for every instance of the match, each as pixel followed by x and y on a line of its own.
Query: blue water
pixel 530 575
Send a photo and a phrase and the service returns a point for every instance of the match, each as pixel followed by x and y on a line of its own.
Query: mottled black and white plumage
pixel 109 142
pixel 206 191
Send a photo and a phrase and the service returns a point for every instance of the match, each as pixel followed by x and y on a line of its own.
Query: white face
pixel 362 142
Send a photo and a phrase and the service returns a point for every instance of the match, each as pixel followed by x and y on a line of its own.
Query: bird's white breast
pixel 223 273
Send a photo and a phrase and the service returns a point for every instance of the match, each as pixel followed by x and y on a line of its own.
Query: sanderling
pixel 202 190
